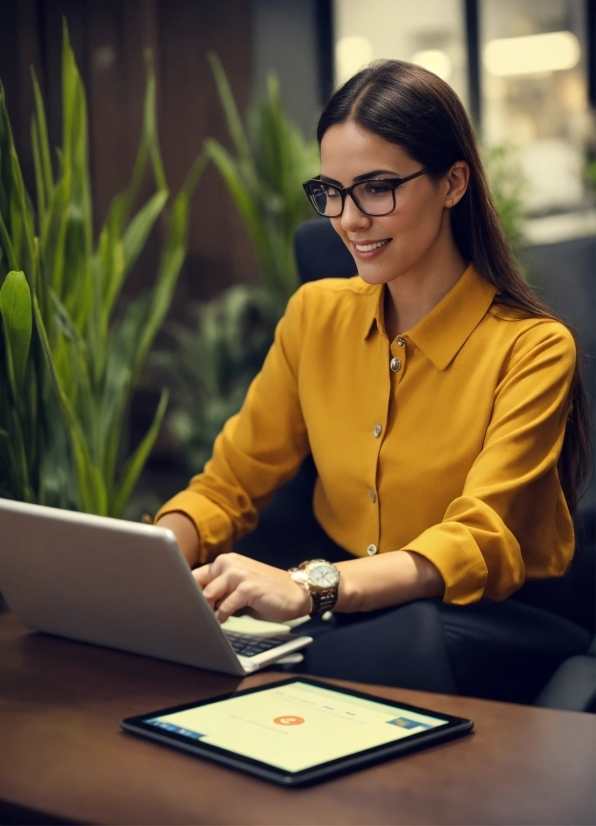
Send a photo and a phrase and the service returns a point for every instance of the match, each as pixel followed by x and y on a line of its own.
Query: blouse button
pixel 401 341
pixel 371 550
pixel 378 430
pixel 395 365
pixel 373 496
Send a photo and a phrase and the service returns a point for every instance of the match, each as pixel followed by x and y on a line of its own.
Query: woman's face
pixel 408 237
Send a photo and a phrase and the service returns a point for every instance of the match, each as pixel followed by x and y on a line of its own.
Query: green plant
pixel 265 179
pixel 507 183
pixel 213 364
pixel 68 365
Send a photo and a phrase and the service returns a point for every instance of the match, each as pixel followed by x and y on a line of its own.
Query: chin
pixel 374 275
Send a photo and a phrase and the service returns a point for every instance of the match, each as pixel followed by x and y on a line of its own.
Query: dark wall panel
pixel 190 109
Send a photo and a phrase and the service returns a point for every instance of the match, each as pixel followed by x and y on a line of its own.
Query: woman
pixel 440 399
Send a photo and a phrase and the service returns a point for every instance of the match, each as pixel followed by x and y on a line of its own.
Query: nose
pixel 352 218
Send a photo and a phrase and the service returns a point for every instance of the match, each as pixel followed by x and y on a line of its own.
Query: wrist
pixel 186 533
pixel 349 598
pixel 305 602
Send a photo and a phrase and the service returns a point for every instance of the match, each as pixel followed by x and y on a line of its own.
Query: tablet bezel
pixel 453 727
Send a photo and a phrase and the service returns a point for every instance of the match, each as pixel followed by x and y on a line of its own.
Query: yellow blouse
pixel 444 442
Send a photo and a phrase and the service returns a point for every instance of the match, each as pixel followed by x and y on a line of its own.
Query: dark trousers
pixel 496 650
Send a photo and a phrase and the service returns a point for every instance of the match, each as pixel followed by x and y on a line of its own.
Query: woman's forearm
pixel 186 535
pixel 386 580
pixel 366 584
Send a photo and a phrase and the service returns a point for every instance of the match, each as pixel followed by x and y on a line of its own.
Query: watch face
pixel 323 575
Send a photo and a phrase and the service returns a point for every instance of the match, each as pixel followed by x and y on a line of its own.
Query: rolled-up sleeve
pixel 487 542
pixel 258 450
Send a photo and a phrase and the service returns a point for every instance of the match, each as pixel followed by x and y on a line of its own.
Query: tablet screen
pixel 296 725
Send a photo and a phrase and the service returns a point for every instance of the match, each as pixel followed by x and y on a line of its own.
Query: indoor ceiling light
pixel 435 60
pixel 532 54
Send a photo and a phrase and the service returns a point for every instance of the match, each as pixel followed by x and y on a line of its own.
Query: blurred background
pixel 525 69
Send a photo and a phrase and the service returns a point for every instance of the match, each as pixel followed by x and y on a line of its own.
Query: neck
pixel 415 293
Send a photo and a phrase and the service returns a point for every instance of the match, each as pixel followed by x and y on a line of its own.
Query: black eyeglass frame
pixel 349 190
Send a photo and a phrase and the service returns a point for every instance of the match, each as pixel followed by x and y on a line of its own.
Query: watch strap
pixel 322 602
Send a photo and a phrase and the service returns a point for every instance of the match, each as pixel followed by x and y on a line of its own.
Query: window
pixel 533 78
pixel 535 96
pixel 428 32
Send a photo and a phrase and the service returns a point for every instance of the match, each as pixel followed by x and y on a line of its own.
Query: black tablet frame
pixel 453 727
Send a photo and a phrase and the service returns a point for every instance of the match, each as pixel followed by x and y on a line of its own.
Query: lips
pixel 372 245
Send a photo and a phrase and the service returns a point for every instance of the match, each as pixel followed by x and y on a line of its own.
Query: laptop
pixel 120 584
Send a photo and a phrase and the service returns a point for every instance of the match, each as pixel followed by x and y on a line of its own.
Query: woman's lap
pixel 498 650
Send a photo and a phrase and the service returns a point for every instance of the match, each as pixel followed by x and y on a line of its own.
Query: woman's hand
pixel 234 583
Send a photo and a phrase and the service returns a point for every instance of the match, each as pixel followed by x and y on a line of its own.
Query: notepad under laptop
pixel 123 585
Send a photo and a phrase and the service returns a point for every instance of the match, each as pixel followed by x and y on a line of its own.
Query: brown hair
pixel 409 106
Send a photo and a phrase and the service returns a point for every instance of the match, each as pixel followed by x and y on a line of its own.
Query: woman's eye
pixel 329 192
pixel 376 188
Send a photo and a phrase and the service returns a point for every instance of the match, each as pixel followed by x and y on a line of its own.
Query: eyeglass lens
pixel 373 197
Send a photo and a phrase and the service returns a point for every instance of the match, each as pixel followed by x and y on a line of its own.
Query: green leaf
pixel 231 110
pixel 7 243
pixel 136 235
pixel 17 220
pixel 44 179
pixel 169 267
pixel 265 178
pixel 149 147
pixel 15 309
pixel 239 191
pixel 137 461
pixel 150 127
pixel 92 488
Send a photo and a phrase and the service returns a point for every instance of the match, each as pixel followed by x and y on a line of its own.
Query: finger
pixel 240 598
pixel 206 573
pixel 203 575
pixel 221 586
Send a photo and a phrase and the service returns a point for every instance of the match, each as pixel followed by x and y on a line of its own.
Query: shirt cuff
pixel 212 523
pixel 457 557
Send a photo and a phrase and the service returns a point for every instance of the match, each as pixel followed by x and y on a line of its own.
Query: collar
pixel 443 332
pixel 374 313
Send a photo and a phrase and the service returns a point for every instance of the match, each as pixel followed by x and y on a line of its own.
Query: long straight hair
pixel 409 106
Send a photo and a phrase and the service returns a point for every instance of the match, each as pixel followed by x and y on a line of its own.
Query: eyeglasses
pixel 374 197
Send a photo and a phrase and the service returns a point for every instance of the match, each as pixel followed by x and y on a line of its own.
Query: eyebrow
pixel 364 177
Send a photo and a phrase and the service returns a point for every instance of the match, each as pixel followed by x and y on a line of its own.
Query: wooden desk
pixel 62 754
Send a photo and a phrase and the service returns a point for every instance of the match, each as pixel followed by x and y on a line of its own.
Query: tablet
pixel 298 731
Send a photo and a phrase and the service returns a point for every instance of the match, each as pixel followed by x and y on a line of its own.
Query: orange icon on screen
pixel 288 720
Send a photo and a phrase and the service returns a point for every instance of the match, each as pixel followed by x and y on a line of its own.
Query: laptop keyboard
pixel 248 645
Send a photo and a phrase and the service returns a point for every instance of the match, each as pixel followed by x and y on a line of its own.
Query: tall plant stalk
pixel 265 177
pixel 68 366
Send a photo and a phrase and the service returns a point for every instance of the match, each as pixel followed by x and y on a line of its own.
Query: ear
pixel 456 181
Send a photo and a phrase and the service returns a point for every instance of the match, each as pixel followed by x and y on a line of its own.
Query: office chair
pixel 573 685
pixel 320 252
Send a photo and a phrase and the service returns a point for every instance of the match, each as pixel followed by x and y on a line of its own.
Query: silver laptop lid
pixel 107 581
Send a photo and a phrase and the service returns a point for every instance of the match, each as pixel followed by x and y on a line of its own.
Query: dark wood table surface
pixel 63 755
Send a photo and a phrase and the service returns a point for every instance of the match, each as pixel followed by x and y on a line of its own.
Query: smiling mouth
pixel 372 246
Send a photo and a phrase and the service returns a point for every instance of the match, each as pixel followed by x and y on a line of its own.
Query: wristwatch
pixel 320 580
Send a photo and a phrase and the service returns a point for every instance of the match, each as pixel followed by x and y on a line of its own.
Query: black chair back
pixel 320 252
